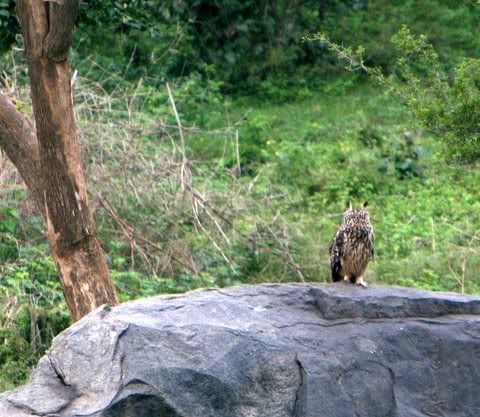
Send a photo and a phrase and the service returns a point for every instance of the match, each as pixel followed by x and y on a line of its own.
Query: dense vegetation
pixel 276 137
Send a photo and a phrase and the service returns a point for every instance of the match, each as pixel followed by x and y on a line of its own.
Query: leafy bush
pixel 8 219
pixel 370 137
pixel 253 47
pixel 447 106
pixel 33 311
pixel 452 28
pixel 197 98
pixel 8 24
pixel 405 155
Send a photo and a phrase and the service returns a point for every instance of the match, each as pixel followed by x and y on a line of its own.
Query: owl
pixel 352 247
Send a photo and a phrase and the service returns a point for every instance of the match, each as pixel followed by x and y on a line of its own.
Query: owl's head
pixel 356 216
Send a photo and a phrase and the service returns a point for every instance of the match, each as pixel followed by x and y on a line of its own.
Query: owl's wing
pixel 336 253
pixel 371 240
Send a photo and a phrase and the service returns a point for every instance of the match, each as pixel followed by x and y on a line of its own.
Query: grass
pixel 424 211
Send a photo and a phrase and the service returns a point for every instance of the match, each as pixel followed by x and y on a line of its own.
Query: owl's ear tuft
pixel 365 205
pixel 348 205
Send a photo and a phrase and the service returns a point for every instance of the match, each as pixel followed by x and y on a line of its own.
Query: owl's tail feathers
pixel 336 267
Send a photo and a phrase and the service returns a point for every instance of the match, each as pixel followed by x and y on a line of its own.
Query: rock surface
pixel 265 351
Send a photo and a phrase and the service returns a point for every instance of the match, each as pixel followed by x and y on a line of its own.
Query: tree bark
pixel 50 163
pixel 18 141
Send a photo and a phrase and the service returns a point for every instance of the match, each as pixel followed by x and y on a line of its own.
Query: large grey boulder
pixel 265 351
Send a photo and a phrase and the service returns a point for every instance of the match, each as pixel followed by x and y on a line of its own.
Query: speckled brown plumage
pixel 352 247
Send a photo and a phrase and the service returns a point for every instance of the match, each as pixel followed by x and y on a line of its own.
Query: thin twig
pixel 237 149
pixel 184 168
pixel 129 232
pixel 434 245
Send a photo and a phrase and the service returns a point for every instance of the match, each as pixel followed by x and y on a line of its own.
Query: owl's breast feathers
pixel 351 249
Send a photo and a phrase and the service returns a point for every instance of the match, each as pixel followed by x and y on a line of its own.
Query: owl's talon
pixel 362 283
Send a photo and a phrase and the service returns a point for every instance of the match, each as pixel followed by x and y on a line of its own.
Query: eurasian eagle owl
pixel 352 247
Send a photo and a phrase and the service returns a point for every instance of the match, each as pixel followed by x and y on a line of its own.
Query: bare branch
pixel 18 141
pixel 184 171
pixel 129 232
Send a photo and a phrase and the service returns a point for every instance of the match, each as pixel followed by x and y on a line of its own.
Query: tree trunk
pixel 51 166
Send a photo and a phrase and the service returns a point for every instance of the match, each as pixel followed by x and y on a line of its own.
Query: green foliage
pixel 8 244
pixel 17 357
pixel 253 47
pixel 8 24
pixel 285 89
pixel 8 248
pixel 123 16
pixel 446 105
pixel 197 98
pixel 405 155
pixel 170 39
pixel 451 25
pixel 8 219
pixel 33 311
pixel 370 137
